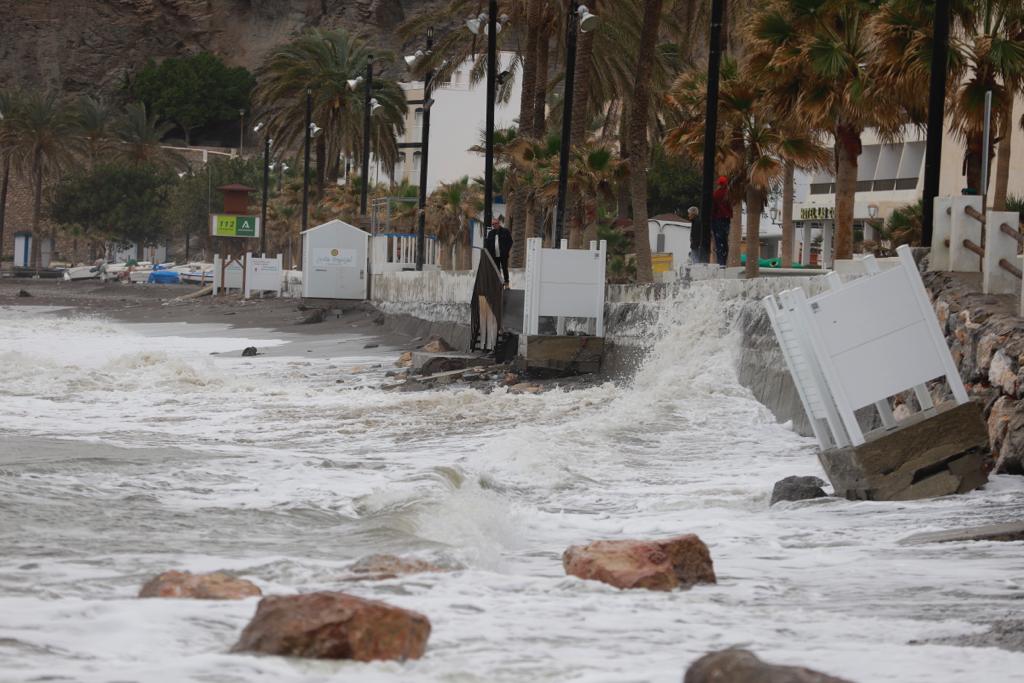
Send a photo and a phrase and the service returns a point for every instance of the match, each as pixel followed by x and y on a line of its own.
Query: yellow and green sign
pixel 223 225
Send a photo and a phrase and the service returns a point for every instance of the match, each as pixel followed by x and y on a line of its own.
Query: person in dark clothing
pixel 697 253
pixel 721 217
pixel 498 244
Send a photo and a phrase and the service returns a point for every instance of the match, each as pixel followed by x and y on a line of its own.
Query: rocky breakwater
pixel 986 338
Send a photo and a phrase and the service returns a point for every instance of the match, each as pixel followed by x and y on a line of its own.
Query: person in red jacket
pixel 721 217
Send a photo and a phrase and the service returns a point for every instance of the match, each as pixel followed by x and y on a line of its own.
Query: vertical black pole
pixel 366 135
pixel 421 230
pixel 936 118
pixel 572 28
pixel 305 167
pixel 710 128
pixel 492 58
pixel 266 192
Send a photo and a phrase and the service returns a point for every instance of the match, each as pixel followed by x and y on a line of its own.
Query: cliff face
pixel 85 45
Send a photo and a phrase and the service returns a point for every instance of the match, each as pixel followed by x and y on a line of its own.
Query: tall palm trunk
pixel 755 205
pixel 581 85
pixel 638 138
pixel 848 148
pixel 735 235
pixel 1003 157
pixel 622 190
pixel 37 209
pixel 321 164
pixel 3 200
pixel 788 232
pixel 446 256
pixel 540 94
pixel 520 216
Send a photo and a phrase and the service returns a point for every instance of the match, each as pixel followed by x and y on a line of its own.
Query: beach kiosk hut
pixel 334 261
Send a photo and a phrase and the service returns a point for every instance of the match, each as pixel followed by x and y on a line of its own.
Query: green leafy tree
pixel 115 202
pixel 673 182
pixel 193 92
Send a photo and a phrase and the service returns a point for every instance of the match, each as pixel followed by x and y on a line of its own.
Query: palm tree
pixel 96 121
pixel 450 208
pixel 8 112
pixel 140 136
pixel 639 145
pixel 42 135
pixel 818 61
pixel 986 54
pixel 594 174
pixel 755 147
pixel 323 63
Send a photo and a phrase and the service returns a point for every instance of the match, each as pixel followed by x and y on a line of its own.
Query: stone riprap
pixel 986 338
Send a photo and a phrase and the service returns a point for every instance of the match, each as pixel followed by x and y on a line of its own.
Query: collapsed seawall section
pixel 636 316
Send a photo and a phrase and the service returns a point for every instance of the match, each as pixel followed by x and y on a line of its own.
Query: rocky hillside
pixel 82 45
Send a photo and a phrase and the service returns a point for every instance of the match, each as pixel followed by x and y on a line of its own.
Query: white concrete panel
pixel 964 227
pixel 999 245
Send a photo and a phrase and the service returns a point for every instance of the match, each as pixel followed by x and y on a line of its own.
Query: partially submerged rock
pixel 376 567
pixel 1010 531
pixel 742 666
pixel 332 625
pixel 797 488
pixel 678 562
pixel 213 586
pixel 249 351
pixel 405 360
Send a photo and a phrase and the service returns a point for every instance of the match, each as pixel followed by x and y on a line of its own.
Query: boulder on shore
pixel 678 562
pixel 742 666
pixel 332 625
pixel 213 586
pixel 797 488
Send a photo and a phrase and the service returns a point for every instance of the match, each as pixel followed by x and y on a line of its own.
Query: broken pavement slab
pixel 931 454
pixel 1009 531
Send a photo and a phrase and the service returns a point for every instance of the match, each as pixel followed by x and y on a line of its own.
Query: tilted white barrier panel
pixel 942 224
pixel 999 246
pixel 964 226
pixel 229 277
pixel 564 283
pixel 860 344
pixel 263 274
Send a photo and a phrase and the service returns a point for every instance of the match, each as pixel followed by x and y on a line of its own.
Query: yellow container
pixel 661 263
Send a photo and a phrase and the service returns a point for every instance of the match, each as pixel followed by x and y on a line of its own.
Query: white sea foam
pixel 173 458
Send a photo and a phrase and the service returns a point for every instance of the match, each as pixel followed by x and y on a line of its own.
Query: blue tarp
pixel 164 277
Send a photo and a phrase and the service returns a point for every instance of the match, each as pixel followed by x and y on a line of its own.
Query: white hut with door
pixel 335 261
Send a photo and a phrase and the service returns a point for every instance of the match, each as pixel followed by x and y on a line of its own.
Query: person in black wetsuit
pixel 498 244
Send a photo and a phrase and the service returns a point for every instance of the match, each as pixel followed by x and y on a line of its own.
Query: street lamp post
pixel 936 115
pixel 579 19
pixel 241 131
pixel 266 188
pixel 492 67
pixel 710 129
pixel 366 135
pixel 305 167
pixel 421 220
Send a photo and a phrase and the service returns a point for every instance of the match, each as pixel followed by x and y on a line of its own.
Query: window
pixel 419 116
pixel 416 162
pixel 661 243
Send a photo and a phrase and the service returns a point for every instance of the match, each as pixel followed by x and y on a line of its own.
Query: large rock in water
pixel 797 488
pixel 214 586
pixel 741 666
pixel 676 562
pixel 332 625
